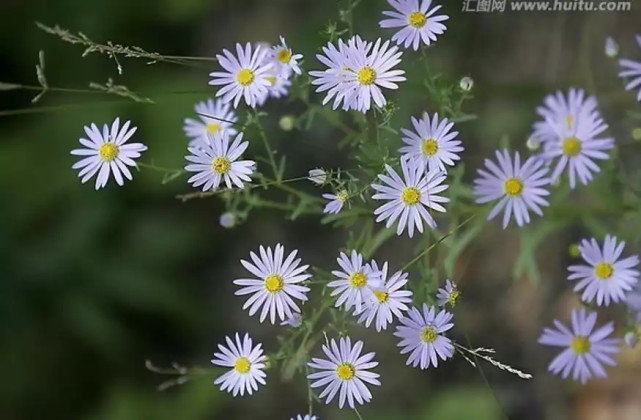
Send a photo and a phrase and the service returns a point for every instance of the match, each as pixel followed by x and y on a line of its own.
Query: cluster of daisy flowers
pixel 276 288
pixel 568 141
pixel 605 278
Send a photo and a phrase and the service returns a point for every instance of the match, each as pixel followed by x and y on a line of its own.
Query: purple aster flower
pixel 421 335
pixel 410 198
pixel 571 134
pixel 559 110
pixel 448 294
pixel 585 351
pixel 354 281
pixel 417 22
pixel 336 201
pixel 632 70
pixel 345 370
pixel 387 300
pixel 605 277
pixel 519 188
pixel 432 144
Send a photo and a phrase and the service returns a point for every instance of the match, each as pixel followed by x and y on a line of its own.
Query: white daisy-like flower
pixel 214 115
pixel 518 188
pixel 285 58
pixel 246 362
pixel 356 72
pixel 410 197
pixel 418 20
pixel 345 372
pixel 215 160
pixel 278 282
pixel 421 335
pixel 561 110
pixel 106 153
pixel 328 80
pixel 448 295
pixel 336 201
pixel 606 278
pixel 577 145
pixel 244 76
pixel 631 70
pixel 304 417
pixel 387 300
pixel 355 281
pixel 366 72
pixel 431 143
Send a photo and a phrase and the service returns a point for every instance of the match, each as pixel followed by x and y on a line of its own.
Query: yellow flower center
pixel 366 76
pixel 358 279
pixel 571 146
pixel 221 164
pixel 453 297
pixel 569 119
pixel 271 80
pixel 430 146
pixel 345 371
pixel 342 196
pixel 108 151
pixel 274 283
pixel 603 270
pixel 212 127
pixel 428 335
pixel 284 56
pixel 381 295
pixel 580 344
pixel 513 186
pixel 417 19
pixel 242 365
pixel 410 195
pixel 245 77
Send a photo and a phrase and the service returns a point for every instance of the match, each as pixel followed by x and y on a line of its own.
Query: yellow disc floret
pixel 513 186
pixel 345 371
pixel 430 146
pixel 571 146
pixel 213 127
pixel 417 19
pixel 242 365
pixel 221 164
pixel 428 335
pixel 342 196
pixel 108 151
pixel 452 298
pixel 274 283
pixel 410 195
pixel 580 344
pixel 366 76
pixel 284 55
pixel 358 279
pixel 381 295
pixel 603 270
pixel 245 77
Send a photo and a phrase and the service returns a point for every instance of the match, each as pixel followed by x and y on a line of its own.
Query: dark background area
pixel 95 283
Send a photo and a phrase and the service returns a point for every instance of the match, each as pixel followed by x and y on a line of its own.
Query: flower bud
pixel 287 122
pixel 466 84
pixel 317 176
pixel 227 220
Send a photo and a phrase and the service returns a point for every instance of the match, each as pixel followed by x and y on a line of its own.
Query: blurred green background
pixel 95 283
